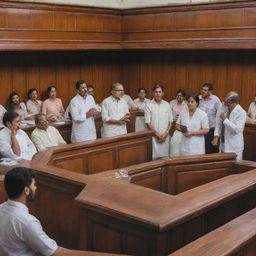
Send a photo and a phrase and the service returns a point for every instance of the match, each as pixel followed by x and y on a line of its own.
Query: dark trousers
pixel 209 148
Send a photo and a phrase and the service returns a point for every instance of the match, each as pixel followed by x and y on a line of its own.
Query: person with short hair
pixel 115 112
pixel 230 123
pixel 83 112
pixel 20 232
pixel 158 118
pixel 252 111
pixel 45 136
pixel 209 103
pixel 193 123
pixel 14 142
pixel 52 107
pixel 140 103
pixel 34 105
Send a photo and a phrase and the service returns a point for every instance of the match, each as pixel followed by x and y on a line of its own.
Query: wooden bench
pixel 237 237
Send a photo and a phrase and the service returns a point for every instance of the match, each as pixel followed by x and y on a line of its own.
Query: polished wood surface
pixel 250 142
pixel 237 237
pixel 3 195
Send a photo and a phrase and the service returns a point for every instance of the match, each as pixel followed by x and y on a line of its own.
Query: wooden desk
pixel 250 142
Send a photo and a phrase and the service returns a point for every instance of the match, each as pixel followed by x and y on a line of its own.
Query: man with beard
pixel 20 232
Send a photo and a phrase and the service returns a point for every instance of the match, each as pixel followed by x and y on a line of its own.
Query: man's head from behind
pixel 41 121
pixel 19 183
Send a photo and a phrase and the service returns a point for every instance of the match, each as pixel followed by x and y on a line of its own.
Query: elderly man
pixel 209 103
pixel 20 232
pixel 114 112
pixel 158 118
pixel 230 122
pixel 83 111
pixel 14 142
pixel 45 136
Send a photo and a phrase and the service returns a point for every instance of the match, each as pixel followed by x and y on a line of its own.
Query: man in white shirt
pixel 14 142
pixel 252 111
pixel 83 112
pixel 21 234
pixel 140 103
pixel 45 136
pixel 230 122
pixel 209 103
pixel 2 111
pixel 114 112
pixel 158 118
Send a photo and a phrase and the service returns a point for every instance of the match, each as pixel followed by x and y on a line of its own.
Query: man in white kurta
pixel 45 136
pixel 158 118
pixel 14 142
pixel 140 103
pixel 114 113
pixel 252 112
pixel 2 111
pixel 230 122
pixel 83 111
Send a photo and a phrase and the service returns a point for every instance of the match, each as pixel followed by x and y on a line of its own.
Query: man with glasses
pixel 209 103
pixel 45 136
pixel 14 142
pixel 115 112
pixel 230 122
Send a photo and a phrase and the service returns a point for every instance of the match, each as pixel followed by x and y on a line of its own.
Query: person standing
pixel 83 111
pixel 193 123
pixel 230 122
pixel 158 118
pixel 115 112
pixel 209 103
pixel 140 103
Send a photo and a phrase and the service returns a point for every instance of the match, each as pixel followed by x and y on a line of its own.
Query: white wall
pixel 122 4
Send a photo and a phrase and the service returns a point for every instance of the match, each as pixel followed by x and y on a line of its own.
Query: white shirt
pixel 210 107
pixel 27 148
pixel 46 138
pixel 159 115
pixel 83 128
pixel 2 111
pixel 193 145
pixel 21 234
pixel 129 101
pixel 233 129
pixel 112 108
pixel 252 111
pixel 140 120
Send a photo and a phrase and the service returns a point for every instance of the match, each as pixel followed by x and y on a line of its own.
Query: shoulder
pixel 201 112
pixel 215 97
pixel 46 101
pixel 59 100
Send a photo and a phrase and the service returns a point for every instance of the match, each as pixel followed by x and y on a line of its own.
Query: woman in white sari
pixel 193 123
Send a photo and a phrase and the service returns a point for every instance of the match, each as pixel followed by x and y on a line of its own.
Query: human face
pixel 192 104
pixel 16 99
pixel 14 124
pixel 179 97
pixel 158 94
pixel 90 91
pixel 118 92
pixel 42 123
pixel 83 90
pixel 33 95
pixel 205 92
pixel 31 191
pixel 52 93
pixel 142 94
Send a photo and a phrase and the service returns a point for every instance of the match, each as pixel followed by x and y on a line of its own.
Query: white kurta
pixel 2 111
pixel 44 139
pixel 193 145
pixel 233 130
pixel 140 120
pixel 83 128
pixel 252 111
pixel 159 115
pixel 27 148
pixel 113 109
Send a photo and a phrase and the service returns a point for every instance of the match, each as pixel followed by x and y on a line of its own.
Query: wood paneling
pixel 3 195
pixel 250 142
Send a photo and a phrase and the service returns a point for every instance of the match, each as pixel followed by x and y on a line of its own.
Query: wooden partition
pixel 3 195
pixel 100 155
pixel 250 142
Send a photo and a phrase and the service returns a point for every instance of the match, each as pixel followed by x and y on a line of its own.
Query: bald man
pixel 230 122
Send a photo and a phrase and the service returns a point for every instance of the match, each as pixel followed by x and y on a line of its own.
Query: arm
pixel 238 125
pixel 30 145
pixel 61 141
pixel 37 141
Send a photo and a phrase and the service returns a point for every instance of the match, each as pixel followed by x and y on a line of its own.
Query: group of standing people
pixel 203 124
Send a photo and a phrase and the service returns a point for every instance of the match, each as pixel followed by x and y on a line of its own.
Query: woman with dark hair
pixel 33 104
pixel 193 123
pixel 52 107
pixel 14 104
